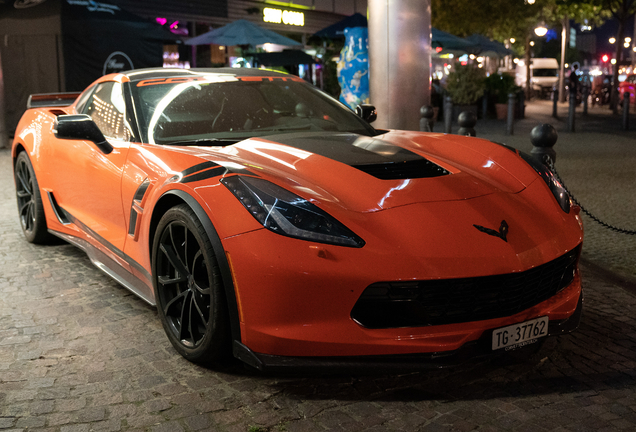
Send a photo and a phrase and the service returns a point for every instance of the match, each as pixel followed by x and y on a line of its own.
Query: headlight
pixel 287 214
pixel 559 192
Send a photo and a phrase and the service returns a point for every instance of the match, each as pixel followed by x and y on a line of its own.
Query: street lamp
pixel 541 30
pixel 612 40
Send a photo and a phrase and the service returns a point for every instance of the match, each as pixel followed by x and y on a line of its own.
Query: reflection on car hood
pixel 397 168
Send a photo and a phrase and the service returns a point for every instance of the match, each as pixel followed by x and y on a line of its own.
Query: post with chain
pixel 448 114
pixel 426 118
pixel 467 121
pixel 543 137
pixel 511 114
pixel 626 97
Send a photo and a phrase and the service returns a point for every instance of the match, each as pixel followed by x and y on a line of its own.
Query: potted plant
pixel 465 85
pixel 498 87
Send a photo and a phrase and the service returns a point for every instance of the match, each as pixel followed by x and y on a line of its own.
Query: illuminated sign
pixel 279 16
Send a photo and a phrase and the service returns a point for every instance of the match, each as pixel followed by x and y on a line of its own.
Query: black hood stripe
pixel 374 156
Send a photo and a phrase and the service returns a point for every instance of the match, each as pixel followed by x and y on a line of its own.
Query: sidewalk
pixel 597 163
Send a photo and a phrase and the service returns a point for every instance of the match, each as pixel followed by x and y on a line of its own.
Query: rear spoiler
pixel 51 99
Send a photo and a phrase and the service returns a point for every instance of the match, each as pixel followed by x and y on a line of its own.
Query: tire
pixel 188 288
pixel 30 208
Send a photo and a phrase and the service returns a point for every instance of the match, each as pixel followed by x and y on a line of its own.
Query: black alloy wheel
pixel 188 287
pixel 30 208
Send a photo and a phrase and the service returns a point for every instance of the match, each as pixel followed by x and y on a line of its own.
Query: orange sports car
pixel 265 219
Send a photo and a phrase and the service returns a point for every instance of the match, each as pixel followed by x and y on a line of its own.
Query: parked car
pixel 266 220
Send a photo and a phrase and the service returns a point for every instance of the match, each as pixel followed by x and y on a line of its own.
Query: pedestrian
pixel 573 82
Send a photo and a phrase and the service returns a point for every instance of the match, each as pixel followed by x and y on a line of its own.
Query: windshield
pixel 213 108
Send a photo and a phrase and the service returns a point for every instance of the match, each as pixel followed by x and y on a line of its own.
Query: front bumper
pixel 478 349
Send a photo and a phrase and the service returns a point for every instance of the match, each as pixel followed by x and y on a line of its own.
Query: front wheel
pixel 30 208
pixel 188 287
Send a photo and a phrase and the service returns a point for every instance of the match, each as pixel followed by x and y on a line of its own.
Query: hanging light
pixel 541 30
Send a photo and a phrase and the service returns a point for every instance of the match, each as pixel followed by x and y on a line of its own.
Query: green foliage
pixel 499 86
pixel 465 84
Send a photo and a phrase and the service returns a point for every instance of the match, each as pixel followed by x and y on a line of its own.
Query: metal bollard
pixel 555 99
pixel 586 94
pixel 521 105
pixel 511 114
pixel 543 137
pixel 426 119
pixel 571 111
pixel 448 114
pixel 467 121
pixel 626 97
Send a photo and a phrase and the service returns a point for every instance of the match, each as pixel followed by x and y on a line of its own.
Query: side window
pixel 107 109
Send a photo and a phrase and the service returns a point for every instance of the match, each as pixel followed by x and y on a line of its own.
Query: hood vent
pixel 413 169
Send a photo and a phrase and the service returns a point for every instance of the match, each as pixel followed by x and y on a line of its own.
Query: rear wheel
pixel 30 208
pixel 188 288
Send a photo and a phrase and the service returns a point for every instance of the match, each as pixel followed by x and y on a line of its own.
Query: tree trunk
pixel 527 61
pixel 620 37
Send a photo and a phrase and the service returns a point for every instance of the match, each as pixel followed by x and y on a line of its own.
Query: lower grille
pixel 451 301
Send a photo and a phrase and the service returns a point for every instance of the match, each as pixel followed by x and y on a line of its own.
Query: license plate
pixel 518 335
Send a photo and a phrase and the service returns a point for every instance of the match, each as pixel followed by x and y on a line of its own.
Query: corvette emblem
pixel 502 233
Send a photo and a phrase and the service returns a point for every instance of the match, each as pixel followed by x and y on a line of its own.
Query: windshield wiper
pixel 204 141
pixel 285 128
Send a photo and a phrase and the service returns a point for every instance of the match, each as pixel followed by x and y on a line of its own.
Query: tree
pixel 622 10
pixel 503 19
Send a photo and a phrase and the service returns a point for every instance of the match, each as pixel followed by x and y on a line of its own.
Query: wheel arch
pixel 176 197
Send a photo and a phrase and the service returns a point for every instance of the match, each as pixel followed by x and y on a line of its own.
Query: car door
pixel 88 181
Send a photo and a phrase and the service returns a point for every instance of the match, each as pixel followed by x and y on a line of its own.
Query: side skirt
pixel 111 268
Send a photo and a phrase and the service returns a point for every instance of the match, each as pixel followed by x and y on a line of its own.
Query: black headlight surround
pixel 288 214
pixel 560 193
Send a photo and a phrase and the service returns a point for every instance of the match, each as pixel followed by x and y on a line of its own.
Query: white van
pixel 544 74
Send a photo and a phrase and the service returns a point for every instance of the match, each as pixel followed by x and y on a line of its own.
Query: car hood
pixel 397 168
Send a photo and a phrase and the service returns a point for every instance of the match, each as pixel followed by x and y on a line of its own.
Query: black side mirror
pixel 367 112
pixel 81 127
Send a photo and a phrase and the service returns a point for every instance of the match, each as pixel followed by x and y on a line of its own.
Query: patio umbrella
pixel 241 32
pixel 337 30
pixel 485 46
pixel 447 41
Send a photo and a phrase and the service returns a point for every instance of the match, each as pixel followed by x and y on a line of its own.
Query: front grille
pixel 410 169
pixel 451 301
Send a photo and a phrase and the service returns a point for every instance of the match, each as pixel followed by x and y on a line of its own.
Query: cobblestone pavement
pixel 78 352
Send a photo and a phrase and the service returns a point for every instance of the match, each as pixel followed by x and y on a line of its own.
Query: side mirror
pixel 81 127
pixel 367 112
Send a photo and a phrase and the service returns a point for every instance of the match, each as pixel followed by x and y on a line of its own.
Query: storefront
pixel 296 19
